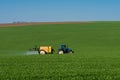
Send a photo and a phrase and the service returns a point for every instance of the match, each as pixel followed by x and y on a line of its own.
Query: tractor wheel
pixel 60 52
pixel 42 52
pixel 71 52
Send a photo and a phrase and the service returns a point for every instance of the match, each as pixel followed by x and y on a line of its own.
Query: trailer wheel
pixel 60 52
pixel 42 52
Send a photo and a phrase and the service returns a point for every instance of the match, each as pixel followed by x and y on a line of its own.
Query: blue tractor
pixel 64 49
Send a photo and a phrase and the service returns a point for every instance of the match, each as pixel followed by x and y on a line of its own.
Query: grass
pixel 96 47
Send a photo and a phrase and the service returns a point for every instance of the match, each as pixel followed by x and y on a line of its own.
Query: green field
pixel 96 46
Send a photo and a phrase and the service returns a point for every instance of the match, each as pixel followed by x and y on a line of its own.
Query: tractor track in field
pixel 37 23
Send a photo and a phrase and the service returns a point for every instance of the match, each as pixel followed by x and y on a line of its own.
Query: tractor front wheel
pixel 71 52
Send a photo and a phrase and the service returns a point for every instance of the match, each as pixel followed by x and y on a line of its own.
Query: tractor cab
pixel 64 49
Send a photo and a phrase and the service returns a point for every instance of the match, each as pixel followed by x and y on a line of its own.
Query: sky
pixel 59 10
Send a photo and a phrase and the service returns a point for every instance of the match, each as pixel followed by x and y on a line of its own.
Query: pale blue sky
pixel 59 10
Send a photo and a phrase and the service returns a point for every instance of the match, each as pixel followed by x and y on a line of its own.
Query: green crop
pixel 96 57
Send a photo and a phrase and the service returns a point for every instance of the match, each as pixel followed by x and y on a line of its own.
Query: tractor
pixel 49 50
pixel 64 49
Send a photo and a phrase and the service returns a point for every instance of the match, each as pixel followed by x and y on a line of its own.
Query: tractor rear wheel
pixel 60 52
pixel 42 52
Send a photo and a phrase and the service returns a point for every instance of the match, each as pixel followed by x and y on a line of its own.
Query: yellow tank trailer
pixel 45 50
